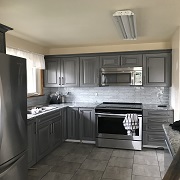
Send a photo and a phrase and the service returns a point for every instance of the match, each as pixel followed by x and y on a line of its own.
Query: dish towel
pixel 131 123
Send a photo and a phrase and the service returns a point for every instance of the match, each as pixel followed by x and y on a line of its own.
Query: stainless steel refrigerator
pixel 13 118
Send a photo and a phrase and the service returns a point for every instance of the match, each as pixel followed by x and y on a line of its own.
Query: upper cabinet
pixel 109 61
pixel 131 60
pixel 62 72
pixel 70 72
pixel 83 70
pixel 157 69
pixel 89 71
pixel 52 73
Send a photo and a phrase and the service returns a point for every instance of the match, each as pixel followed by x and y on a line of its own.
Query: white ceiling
pixel 70 23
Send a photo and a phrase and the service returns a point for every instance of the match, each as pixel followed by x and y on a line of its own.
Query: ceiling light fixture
pixel 127 23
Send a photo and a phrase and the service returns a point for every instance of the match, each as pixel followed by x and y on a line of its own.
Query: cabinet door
pixel 56 132
pixel 89 71
pixel 132 60
pixel 70 72
pixel 73 123
pixel 109 61
pixel 64 124
pixel 157 69
pixel 52 73
pixel 87 124
pixel 31 134
pixel 43 139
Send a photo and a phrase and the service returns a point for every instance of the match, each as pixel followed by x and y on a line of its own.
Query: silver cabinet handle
pixel 62 80
pixel 59 80
pixel 35 128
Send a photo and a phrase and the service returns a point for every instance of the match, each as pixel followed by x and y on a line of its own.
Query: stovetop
pixel 119 105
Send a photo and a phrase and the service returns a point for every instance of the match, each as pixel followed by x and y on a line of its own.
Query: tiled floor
pixel 74 161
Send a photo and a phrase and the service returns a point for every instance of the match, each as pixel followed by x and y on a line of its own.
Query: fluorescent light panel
pixel 127 23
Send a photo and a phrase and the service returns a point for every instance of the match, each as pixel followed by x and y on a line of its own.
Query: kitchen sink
pixel 38 110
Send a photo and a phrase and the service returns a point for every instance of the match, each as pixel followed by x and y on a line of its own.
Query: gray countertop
pixel 63 105
pixel 173 138
pixel 155 107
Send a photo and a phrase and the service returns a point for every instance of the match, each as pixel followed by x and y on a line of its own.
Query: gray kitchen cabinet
pixel 31 134
pixel 153 134
pixel 73 123
pixel 43 140
pixel 61 72
pixel 87 124
pixel 70 72
pixel 56 132
pixel 157 69
pixel 52 73
pixel 89 71
pixel 64 124
pixel 109 61
pixel 131 60
pixel 49 133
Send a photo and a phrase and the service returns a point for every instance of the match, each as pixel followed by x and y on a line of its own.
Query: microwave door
pixel 117 78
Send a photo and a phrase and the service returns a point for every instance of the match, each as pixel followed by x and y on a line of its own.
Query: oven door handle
pixel 108 114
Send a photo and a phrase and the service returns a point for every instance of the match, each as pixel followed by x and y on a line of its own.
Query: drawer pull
pixel 156 139
pixel 156 120
pixel 155 128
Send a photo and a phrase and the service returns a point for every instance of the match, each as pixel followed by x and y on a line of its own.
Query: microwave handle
pixel 132 78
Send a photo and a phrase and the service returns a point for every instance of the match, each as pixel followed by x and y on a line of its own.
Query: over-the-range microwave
pixel 131 76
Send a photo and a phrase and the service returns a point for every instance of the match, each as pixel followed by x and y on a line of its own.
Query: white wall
pixel 175 89
pixel 111 48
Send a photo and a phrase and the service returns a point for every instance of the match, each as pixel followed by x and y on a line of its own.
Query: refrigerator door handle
pixel 1 96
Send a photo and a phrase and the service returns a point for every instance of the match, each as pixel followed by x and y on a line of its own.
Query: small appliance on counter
pixel 55 98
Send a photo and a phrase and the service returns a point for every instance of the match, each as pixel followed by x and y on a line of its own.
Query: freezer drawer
pixel 16 170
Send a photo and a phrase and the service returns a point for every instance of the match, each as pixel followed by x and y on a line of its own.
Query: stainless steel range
pixel 119 125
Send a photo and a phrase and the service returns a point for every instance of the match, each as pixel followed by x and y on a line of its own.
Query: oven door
pixel 111 126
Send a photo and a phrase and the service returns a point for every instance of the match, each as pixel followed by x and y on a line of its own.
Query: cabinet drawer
pixel 161 120
pixel 49 116
pixel 153 127
pixel 153 138
pixel 157 113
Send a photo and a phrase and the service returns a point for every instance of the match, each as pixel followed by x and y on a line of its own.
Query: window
pixel 35 63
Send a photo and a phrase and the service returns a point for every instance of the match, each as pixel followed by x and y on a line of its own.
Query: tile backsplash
pixel 146 95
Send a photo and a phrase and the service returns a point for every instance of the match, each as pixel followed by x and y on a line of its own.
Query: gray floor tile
pixel 33 178
pixel 163 173
pixel 161 165
pixel 79 158
pixel 50 160
pixel 147 160
pixel 82 149
pixel 57 176
pixel 39 170
pixel 118 173
pixel 146 152
pixel 145 170
pixel 121 162
pixel 123 153
pixel 144 178
pixel 83 174
pixel 160 155
pixel 66 167
pixel 104 156
pixel 108 150
pixel 92 164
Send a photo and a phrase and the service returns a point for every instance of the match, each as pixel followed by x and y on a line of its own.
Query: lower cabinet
pixel 44 134
pixel 43 139
pixel 31 133
pixel 153 134
pixel 64 124
pixel 73 123
pixel 87 124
